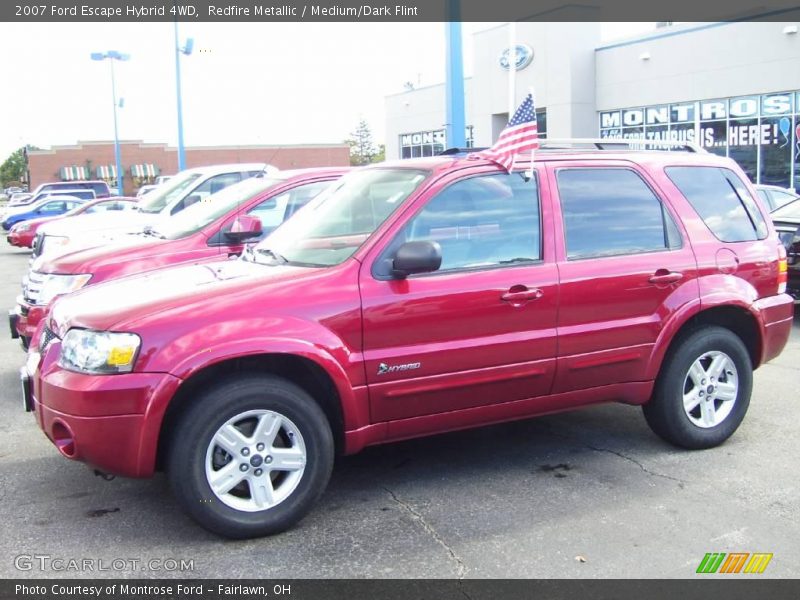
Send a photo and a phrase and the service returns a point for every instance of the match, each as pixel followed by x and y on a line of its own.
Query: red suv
pixel 418 297
pixel 199 233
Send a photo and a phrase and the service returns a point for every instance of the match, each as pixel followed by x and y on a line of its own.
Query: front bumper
pixel 111 422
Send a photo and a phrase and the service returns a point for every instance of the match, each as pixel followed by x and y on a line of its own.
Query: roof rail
pixel 616 143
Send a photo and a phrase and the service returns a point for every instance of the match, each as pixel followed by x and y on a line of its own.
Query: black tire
pixel 197 426
pixel 665 411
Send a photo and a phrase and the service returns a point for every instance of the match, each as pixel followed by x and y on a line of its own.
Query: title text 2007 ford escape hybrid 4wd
pixel 418 297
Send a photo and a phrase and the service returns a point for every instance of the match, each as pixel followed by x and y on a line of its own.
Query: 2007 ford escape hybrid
pixel 419 297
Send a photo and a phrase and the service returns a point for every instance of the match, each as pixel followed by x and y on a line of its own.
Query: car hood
pixel 88 257
pixel 105 222
pixel 187 288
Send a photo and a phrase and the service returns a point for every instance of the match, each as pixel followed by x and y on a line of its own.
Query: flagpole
pixel 512 71
pixel 533 150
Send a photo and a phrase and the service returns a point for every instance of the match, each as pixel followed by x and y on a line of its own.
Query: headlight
pixel 51 242
pixel 21 227
pixel 98 352
pixel 56 285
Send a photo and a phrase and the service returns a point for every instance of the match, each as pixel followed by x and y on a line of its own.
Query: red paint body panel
pixel 106 263
pixel 597 332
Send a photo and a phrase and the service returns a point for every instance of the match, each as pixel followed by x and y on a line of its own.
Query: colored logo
pixel 734 562
pixel 523 56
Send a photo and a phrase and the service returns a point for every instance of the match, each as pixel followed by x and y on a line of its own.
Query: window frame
pixel 389 246
pixel 666 212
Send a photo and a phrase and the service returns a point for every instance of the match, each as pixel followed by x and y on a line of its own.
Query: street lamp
pixel 187 50
pixel 113 55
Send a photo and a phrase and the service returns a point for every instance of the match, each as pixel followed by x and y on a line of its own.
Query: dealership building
pixel 732 88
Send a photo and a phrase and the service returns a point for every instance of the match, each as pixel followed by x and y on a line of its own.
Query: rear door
pixel 625 266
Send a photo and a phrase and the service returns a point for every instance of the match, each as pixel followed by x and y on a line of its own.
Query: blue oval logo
pixel 523 56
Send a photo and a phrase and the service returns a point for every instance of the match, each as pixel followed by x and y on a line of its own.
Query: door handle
pixel 520 294
pixel 663 276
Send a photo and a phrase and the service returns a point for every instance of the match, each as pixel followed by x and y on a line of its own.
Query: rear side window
pixel 608 212
pixel 722 201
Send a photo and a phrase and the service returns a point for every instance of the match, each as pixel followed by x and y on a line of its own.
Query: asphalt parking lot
pixel 591 493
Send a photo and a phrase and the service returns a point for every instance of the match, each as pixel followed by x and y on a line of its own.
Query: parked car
pixel 49 206
pixel 35 199
pixel 100 189
pixel 22 234
pixel 186 188
pixel 417 297
pixel 19 197
pixel 207 231
pixel 775 197
pixel 787 222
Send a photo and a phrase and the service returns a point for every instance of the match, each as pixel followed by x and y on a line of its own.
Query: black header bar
pixel 395 10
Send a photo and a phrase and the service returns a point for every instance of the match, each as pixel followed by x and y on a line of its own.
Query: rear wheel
pixel 250 456
pixel 703 391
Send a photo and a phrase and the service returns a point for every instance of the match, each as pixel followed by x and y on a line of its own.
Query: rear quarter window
pixel 721 199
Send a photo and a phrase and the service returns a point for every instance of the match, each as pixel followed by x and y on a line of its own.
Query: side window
pixel 722 201
pixel 608 212
pixel 766 199
pixel 271 210
pixel 781 198
pixel 217 183
pixel 482 221
pixel 53 207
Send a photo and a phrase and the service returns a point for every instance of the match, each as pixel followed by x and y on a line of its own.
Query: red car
pixel 419 297
pixel 196 234
pixel 22 234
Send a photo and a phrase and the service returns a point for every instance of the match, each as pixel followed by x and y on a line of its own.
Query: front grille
pixel 38 245
pixel 32 287
pixel 48 335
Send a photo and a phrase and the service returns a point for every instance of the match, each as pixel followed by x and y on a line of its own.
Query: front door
pixel 481 329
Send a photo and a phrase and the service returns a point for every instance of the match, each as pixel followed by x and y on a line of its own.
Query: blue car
pixel 50 206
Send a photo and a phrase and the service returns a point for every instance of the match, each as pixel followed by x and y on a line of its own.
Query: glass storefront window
pixel 776 150
pixel 760 132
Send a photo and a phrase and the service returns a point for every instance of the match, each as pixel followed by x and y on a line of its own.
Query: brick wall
pixel 45 165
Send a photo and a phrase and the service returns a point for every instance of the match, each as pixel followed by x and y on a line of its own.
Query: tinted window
pixel 722 201
pixel 612 211
pixel 274 211
pixel 481 222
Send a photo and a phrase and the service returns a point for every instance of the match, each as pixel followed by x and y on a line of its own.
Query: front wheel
pixel 703 391
pixel 250 456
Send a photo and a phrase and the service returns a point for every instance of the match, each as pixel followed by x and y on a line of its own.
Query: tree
pixel 13 170
pixel 362 148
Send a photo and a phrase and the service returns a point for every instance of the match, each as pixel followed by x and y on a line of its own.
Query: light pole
pixel 187 50
pixel 113 55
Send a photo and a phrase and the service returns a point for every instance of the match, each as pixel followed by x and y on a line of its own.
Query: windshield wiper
pixel 280 259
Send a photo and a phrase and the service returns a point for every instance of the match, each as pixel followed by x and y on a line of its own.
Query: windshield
pixel 790 211
pixel 199 215
pixel 335 224
pixel 163 195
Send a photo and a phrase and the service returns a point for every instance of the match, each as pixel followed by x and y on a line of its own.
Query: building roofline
pixel 82 144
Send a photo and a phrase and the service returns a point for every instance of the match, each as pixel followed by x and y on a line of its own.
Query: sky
pixel 244 83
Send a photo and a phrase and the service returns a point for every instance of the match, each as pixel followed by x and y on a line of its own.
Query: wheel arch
pixel 301 370
pixel 737 318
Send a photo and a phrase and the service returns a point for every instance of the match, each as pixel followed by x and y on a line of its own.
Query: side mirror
pixel 416 257
pixel 244 228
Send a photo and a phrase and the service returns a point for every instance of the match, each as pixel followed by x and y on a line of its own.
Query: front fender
pixel 195 350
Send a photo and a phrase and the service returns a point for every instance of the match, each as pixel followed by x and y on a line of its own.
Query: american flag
pixel 520 134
